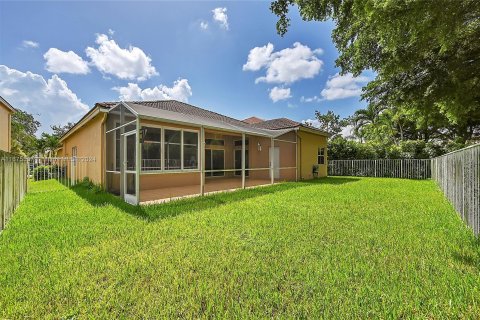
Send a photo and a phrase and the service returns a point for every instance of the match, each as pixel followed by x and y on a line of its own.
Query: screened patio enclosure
pixel 155 155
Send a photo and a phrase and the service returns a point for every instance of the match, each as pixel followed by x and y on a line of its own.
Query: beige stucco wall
pixel 5 128
pixel 89 141
pixel 308 151
pixel 169 180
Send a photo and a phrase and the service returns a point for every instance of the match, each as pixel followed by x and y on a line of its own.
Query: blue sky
pixel 200 52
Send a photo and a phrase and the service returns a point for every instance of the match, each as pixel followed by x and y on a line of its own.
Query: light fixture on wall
pixel 259 146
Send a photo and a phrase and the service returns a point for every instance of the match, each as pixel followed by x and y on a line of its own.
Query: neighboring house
pixel 6 111
pixel 155 150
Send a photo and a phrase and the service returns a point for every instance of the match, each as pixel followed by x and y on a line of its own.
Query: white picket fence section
pixel 458 176
pixel 384 168
pixel 67 170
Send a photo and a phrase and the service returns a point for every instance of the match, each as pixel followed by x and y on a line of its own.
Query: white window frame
pixel 162 153
pixel 161 148
pixel 319 154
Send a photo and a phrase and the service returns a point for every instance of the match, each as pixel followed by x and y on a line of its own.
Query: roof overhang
pixel 314 131
pixel 8 105
pixel 87 117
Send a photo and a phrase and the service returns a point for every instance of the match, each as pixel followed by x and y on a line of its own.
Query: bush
pixel 42 173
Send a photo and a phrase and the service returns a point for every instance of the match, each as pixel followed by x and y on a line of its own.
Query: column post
pixel 243 160
pixel 271 153
pixel 202 161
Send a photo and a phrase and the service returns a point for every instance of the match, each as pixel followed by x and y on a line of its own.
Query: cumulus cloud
pixel 310 99
pixel 58 61
pixel 258 58
pixel 130 63
pixel 284 66
pixel 277 94
pixel 180 91
pixel 341 87
pixel 30 44
pixel 203 25
pixel 220 16
pixel 50 100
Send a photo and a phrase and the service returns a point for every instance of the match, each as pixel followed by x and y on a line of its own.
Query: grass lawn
pixel 333 248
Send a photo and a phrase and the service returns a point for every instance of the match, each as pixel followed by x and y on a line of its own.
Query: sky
pixel 58 59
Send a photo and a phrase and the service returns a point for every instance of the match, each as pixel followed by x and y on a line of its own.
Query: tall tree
pixel 24 127
pixel 59 130
pixel 331 122
pixel 426 54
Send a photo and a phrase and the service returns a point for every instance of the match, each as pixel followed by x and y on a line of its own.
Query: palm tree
pixel 366 117
pixel 47 145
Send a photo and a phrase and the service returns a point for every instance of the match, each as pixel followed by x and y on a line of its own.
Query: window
pixel 190 150
pixel 151 148
pixel 214 142
pixel 172 153
pixel 321 156
pixel 74 155
pixel 238 143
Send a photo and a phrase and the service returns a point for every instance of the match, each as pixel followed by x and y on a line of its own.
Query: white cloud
pixel 284 66
pixel 258 58
pixel 30 44
pixel 131 63
pixel 111 32
pixel 203 25
pixel 310 99
pixel 68 62
pixel 220 16
pixel 341 87
pixel 50 100
pixel 277 94
pixel 180 90
pixel 347 132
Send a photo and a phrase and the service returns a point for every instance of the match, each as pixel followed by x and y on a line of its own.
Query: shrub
pixel 42 173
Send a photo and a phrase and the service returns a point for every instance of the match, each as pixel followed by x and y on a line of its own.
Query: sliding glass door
pixel 214 160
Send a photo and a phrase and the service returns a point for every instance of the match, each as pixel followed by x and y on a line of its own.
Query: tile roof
pixel 253 120
pixel 173 106
pixel 180 107
pixel 276 124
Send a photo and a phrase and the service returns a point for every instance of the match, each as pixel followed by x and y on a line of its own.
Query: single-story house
pixel 6 111
pixel 150 151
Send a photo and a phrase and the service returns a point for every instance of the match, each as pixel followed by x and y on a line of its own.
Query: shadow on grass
pixel 97 197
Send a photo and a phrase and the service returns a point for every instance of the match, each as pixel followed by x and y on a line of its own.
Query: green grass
pixel 334 248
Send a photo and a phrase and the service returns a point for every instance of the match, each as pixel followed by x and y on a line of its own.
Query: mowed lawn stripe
pixel 332 248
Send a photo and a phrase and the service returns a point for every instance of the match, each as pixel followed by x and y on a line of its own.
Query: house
pixel 149 151
pixel 6 111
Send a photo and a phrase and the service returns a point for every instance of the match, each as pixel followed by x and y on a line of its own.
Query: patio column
pixel 272 151
pixel 243 160
pixel 137 162
pixel 202 160
pixel 296 156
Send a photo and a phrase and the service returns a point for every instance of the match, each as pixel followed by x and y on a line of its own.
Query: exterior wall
pixel 5 128
pixel 308 152
pixel 89 141
pixel 169 180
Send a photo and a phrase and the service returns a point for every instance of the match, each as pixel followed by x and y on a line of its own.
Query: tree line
pixel 24 139
pixel 425 98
